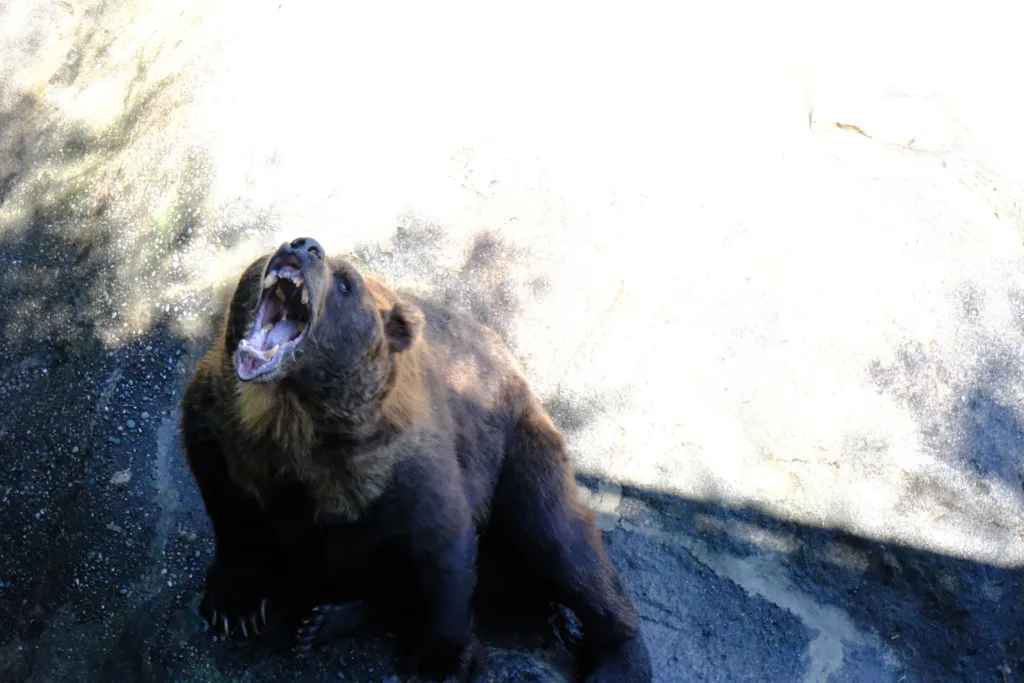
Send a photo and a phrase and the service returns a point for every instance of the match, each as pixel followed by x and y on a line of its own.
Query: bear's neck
pixel 296 414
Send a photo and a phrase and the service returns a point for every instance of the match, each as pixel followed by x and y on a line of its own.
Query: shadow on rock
pixel 733 594
pixel 965 401
pixel 481 283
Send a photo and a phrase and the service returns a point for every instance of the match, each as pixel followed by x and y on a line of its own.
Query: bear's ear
pixel 403 325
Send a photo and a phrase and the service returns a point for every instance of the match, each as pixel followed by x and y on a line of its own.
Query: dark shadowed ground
pixel 787 353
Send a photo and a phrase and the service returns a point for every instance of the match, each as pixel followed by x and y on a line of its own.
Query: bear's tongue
pixel 262 352
pixel 283 331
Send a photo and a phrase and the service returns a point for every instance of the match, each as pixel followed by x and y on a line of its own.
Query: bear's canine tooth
pixel 269 281
pixel 305 296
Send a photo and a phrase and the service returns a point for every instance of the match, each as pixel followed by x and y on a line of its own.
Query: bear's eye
pixel 343 285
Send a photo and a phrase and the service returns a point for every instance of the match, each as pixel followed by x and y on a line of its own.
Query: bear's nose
pixel 309 244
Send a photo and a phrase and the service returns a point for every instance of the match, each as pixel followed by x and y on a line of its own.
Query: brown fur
pixel 400 439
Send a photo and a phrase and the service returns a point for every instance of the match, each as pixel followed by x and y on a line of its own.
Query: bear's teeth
pixel 269 281
pixel 269 353
pixel 305 297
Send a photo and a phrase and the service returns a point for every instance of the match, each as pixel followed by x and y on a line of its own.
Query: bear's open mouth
pixel 280 326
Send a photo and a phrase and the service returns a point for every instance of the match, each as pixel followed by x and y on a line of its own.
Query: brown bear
pixel 356 446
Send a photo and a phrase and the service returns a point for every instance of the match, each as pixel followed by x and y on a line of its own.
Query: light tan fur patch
pixel 343 488
pixel 276 414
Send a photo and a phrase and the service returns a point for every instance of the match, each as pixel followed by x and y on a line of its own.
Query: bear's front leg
pixel 442 579
pixel 238 581
pixel 433 552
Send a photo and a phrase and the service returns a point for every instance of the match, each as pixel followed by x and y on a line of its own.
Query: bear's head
pixel 300 316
